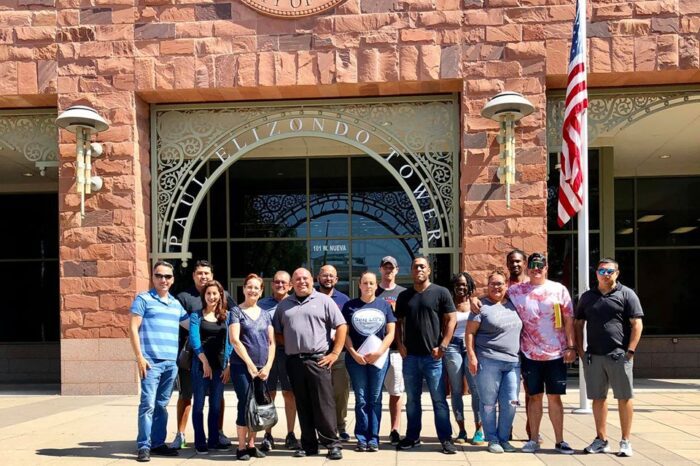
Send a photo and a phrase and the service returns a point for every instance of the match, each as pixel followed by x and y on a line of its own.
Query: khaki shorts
pixel 611 370
pixel 393 383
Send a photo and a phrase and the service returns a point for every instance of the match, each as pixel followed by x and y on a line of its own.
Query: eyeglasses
pixel 603 271
pixel 280 282
pixel 497 284
pixel 536 265
pixel 161 276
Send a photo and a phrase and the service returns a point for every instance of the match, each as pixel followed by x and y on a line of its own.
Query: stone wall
pixel 121 55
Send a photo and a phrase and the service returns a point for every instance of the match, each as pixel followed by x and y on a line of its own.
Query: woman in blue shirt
pixel 371 332
pixel 210 369
pixel 253 342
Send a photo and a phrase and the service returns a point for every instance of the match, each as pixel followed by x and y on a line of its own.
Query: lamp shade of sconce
pixel 81 116
pixel 507 103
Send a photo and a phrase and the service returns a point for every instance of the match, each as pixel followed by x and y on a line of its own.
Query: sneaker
pixel 254 452
pixel 223 439
pixel 478 438
pixel 221 447
pixel 394 438
pixel 344 437
pixel 179 441
pixel 507 447
pixel 461 437
pixel 242 455
pixel 268 442
pixel 144 455
pixel 201 450
pixel 448 448
pixel 597 446
pixel 291 442
pixel 372 447
pixel 361 447
pixel 164 450
pixel 563 448
pixel 625 448
pixel 407 444
pixel 495 447
pixel 300 453
pixel 530 447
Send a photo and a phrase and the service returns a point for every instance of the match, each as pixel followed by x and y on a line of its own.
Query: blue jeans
pixel 241 381
pixel 155 396
pixel 367 384
pixel 200 388
pixel 415 369
pixel 498 381
pixel 457 367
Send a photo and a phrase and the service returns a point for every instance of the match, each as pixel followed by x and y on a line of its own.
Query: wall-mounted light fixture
pixel 84 122
pixel 507 108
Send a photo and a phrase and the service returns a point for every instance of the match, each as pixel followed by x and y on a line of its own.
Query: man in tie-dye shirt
pixel 546 344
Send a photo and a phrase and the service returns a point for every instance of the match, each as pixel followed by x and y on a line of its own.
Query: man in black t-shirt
pixel 612 315
pixel 426 317
pixel 191 300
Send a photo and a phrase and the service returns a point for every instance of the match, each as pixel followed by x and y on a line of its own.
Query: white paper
pixel 371 345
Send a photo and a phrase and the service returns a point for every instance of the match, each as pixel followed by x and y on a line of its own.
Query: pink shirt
pixel 539 340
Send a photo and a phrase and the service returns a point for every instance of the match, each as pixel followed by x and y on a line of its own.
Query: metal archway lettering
pixel 424 171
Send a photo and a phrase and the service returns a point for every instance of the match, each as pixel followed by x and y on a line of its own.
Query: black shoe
pixel 301 453
pixel 407 444
pixel 221 447
pixel 268 442
pixel 344 437
pixel 201 450
pixel 448 448
pixel 394 438
pixel 255 453
pixel 242 455
pixel 164 450
pixel 335 453
pixel 144 455
pixel 291 442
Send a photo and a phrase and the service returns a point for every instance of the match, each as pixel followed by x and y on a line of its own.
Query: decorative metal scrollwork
pixel 35 136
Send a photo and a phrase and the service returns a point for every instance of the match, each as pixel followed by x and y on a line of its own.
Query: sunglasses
pixel 536 265
pixel 603 271
pixel 161 276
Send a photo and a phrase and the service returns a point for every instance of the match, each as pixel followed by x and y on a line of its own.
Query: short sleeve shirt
pixel 498 336
pixel 422 315
pixel 540 340
pixel 160 325
pixel 367 319
pixel 306 324
pixel 254 336
pixel 390 297
pixel 608 317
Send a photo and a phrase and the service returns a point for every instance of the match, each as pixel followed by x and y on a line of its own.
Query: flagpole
pixel 583 246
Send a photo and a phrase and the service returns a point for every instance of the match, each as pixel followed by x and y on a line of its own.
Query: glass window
pixel 266 257
pixel 624 212
pixel 328 199
pixel 668 211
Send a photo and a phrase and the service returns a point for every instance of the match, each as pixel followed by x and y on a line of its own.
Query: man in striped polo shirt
pixel 155 319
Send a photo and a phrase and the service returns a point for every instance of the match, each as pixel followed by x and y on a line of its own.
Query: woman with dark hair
pixel 493 344
pixel 455 360
pixel 210 369
pixel 372 324
pixel 253 342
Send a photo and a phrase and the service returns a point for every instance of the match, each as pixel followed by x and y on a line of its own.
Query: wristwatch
pixel 630 351
pixel 442 348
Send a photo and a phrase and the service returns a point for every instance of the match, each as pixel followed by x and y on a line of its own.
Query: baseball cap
pixel 536 260
pixel 388 260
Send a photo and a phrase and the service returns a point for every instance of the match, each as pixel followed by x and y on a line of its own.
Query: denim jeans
pixel 415 369
pixel 241 381
pixel 457 367
pixel 156 388
pixel 200 387
pixel 498 382
pixel 367 381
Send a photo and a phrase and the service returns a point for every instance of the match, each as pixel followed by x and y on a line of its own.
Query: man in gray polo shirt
pixel 612 315
pixel 303 323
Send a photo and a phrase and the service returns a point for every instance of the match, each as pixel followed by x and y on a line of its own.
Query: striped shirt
pixel 159 328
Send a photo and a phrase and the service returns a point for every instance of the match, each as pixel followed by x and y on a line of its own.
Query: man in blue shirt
pixel 153 330
pixel 327 279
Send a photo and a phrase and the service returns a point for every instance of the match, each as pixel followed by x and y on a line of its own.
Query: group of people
pixel 314 343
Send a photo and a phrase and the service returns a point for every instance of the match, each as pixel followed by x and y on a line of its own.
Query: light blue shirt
pixel 160 325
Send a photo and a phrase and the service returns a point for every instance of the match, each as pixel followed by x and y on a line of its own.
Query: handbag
pixel 184 359
pixel 260 413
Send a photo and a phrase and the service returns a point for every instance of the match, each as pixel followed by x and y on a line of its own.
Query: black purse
pixel 260 408
pixel 184 359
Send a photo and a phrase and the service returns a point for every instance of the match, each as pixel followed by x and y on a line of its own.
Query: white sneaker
pixel 223 440
pixel 597 446
pixel 530 447
pixel 625 448
pixel 179 441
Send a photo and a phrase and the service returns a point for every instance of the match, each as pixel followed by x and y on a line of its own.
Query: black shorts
pixel 278 378
pixel 184 384
pixel 540 374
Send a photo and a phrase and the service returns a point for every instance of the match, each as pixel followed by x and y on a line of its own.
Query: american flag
pixel 574 130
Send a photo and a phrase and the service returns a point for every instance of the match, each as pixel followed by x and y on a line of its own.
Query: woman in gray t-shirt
pixel 493 342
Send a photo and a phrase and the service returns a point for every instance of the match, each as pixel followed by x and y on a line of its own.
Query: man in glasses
pixel 281 284
pixel 327 279
pixel 546 346
pixel 612 315
pixel 153 331
pixel 191 300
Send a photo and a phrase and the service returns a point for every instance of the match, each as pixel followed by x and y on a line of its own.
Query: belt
pixel 306 356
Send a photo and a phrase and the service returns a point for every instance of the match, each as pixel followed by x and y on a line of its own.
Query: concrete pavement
pixel 40 428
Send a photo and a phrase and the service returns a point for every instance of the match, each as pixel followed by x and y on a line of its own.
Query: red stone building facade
pixel 122 57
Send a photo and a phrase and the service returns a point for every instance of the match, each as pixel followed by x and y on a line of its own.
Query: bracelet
pixel 630 351
pixel 572 348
